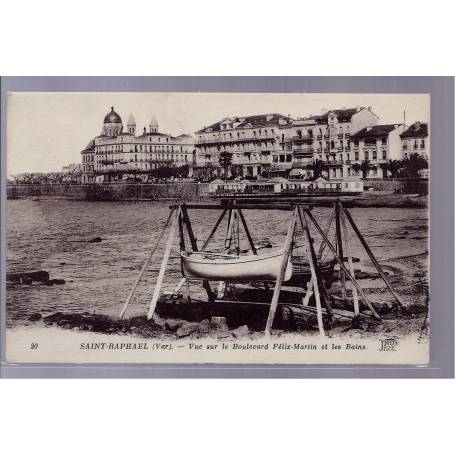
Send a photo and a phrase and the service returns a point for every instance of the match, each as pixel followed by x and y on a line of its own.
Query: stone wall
pixel 398 185
pixel 111 192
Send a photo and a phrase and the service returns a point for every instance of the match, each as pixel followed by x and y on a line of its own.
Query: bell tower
pixel 131 125
pixel 153 125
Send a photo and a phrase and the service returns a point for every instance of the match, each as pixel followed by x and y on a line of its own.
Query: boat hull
pixel 234 268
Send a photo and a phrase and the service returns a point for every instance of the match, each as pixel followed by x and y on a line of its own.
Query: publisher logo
pixel 388 344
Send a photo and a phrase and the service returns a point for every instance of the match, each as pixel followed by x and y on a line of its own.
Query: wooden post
pixel 247 232
pixel 309 292
pixel 355 296
pixel 345 270
pixel 340 248
pixel 314 276
pixel 193 242
pixel 229 231
pixel 209 238
pixel 372 257
pixel 227 249
pixel 279 280
pixel 327 230
pixel 144 266
pixel 167 253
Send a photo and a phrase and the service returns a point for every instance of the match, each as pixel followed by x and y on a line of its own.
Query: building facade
pixel 377 145
pixel 251 140
pixel 325 137
pixel 117 155
pixel 277 145
pixel 416 139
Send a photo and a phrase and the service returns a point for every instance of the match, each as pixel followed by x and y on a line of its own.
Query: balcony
pixel 319 137
pixel 300 139
pixel 340 136
pixel 326 136
pixel 226 140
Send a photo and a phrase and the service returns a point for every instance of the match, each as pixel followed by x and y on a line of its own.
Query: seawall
pixel 111 192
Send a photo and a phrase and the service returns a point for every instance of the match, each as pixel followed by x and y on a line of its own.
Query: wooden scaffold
pixel 299 227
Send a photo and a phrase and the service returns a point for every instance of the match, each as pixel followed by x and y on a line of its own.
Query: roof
pixel 255 121
pixel 318 179
pixel 112 117
pixel 153 121
pixel 297 171
pixel 375 131
pixel 278 180
pixel 417 129
pixel 131 120
pixel 343 115
pixel 218 182
pixel 90 146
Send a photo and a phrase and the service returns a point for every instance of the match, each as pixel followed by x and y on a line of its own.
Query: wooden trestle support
pixel 300 221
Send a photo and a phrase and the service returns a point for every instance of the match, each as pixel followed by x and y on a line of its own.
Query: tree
pixel 236 171
pixel 393 166
pixel 317 167
pixel 225 160
pixel 365 166
pixel 413 164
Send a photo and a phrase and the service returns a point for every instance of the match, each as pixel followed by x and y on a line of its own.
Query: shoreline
pixel 367 200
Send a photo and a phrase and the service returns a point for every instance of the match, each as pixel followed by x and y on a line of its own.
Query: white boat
pixel 228 267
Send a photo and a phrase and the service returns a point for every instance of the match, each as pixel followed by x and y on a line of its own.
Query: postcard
pixel 217 228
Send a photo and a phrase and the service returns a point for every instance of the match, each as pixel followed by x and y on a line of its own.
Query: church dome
pixel 112 117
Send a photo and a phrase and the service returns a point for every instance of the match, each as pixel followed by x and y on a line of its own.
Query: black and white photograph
pixel 217 227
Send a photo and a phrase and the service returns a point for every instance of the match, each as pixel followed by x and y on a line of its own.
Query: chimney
pixel 395 126
pixel 369 128
pixel 369 108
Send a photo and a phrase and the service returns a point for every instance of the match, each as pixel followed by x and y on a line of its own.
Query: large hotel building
pixel 259 145
pixel 116 154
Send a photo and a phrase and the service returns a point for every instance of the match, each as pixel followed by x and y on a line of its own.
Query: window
pixel 375 155
pixel 422 144
pixel 384 140
pixel 367 155
pixel 384 154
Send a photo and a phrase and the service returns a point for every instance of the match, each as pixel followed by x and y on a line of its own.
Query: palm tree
pixel 225 160
pixel 365 166
pixel 413 164
pixel 317 167
pixel 393 166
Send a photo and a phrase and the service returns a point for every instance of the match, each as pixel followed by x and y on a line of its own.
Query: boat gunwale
pixel 232 260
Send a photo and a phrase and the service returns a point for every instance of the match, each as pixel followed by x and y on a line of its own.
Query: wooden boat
pixel 228 267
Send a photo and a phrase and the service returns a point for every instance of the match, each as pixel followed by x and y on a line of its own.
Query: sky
pixel 46 131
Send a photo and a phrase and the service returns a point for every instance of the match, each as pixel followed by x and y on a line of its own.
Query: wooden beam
pixel 309 292
pixel 327 230
pixel 346 271
pixel 314 276
pixel 247 232
pixel 144 266
pixel 167 253
pixel 194 247
pixel 209 238
pixel 350 263
pixel 233 205
pixel 340 247
pixel 279 280
pixel 373 258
